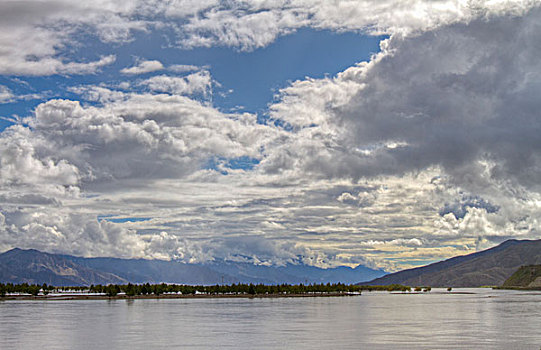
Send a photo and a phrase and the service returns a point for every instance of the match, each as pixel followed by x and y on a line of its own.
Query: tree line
pixel 233 289
pixel 163 288
pixel 25 288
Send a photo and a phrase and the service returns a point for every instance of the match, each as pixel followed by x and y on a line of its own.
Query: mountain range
pixel 489 267
pixel 32 266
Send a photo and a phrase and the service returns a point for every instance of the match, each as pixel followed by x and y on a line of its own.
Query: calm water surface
pixel 486 319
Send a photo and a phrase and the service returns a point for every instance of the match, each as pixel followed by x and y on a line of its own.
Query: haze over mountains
pixel 490 267
pixel 32 266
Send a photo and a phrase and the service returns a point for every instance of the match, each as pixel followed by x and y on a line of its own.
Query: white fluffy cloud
pixel 253 24
pixel 182 68
pixel 6 95
pixel 143 67
pixel 143 136
pixel 35 34
pixel 195 83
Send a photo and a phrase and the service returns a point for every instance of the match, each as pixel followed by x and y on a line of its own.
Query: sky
pixel 385 133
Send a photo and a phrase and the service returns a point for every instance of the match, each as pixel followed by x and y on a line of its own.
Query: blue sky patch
pixel 243 81
pixel 112 218
pixel 221 164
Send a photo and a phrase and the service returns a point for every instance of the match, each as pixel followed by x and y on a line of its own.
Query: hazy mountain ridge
pixel 291 273
pixel 490 267
pixel 32 266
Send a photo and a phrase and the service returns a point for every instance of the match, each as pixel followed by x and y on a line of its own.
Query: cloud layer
pixel 429 150
pixel 36 34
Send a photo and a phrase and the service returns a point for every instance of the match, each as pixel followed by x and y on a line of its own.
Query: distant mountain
pixel 526 277
pixel 32 266
pixel 154 271
pixel 490 267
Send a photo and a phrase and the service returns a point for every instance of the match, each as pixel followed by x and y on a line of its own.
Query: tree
pixel 112 290
pixel 34 289
pixel 45 289
pixel 130 290
pixel 251 289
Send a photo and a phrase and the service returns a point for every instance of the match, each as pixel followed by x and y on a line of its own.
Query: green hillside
pixel 489 267
pixel 525 277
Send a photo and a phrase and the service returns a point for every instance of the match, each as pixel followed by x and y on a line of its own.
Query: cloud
pixel 143 67
pixel 448 98
pixel 139 136
pixel 20 164
pixel 69 164
pixel 250 25
pixel 54 230
pixel 6 95
pixel 35 37
pixel 459 208
pixel 448 102
pixel 195 83
pixel 182 68
pixel 50 66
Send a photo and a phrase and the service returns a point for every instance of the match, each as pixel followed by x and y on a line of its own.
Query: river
pixel 470 319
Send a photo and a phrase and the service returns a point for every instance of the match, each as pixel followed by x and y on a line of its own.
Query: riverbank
pixel 518 288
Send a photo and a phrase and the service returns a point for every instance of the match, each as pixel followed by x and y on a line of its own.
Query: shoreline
pixel 170 296
pixel 518 288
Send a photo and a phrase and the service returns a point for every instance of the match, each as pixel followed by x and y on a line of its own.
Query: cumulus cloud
pixel 34 35
pixel 54 230
pixel 143 67
pixel 195 83
pixel 117 141
pixel 130 137
pixel 448 98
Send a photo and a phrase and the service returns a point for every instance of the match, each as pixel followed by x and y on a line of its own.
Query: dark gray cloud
pixel 460 208
pixel 461 97
pixel 456 96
